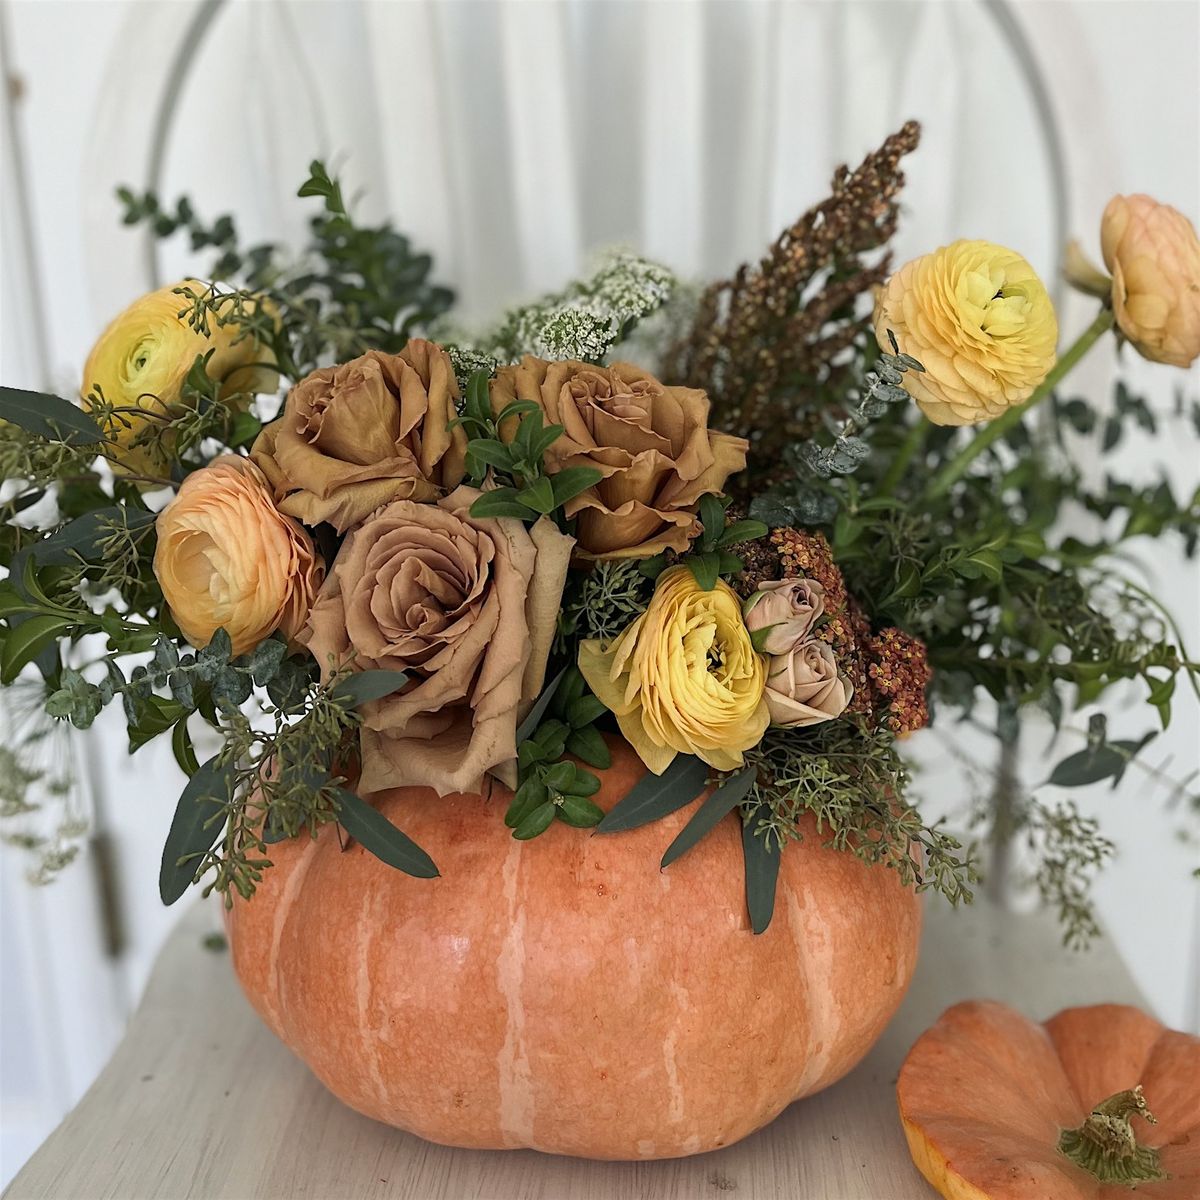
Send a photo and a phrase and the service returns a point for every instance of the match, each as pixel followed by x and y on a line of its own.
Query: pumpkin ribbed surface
pixel 985 1094
pixel 564 993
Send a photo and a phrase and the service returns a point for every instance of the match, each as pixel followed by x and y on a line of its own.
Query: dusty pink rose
pixel 805 687
pixel 783 613
pixel 1154 256
pixel 467 607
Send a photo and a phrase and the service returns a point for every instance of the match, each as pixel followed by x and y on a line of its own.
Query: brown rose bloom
pixel 356 436
pixel 467 607
pixel 651 442
pixel 805 687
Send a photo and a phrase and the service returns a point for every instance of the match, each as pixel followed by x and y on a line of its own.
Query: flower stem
pixel 950 474
pixel 905 453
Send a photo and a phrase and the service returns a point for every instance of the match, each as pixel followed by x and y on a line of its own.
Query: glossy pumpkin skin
pixel 985 1093
pixel 564 993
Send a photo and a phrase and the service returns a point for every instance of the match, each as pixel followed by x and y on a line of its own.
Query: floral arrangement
pixel 764 533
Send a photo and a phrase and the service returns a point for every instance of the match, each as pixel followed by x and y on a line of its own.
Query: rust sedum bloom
pixel 651 443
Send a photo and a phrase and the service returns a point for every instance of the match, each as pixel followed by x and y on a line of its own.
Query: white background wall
pixel 511 139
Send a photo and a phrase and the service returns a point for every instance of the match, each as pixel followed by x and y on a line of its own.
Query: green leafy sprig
pixel 711 555
pixel 550 786
pixel 518 457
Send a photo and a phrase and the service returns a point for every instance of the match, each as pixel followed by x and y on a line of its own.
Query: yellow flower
pixel 228 558
pixel 683 677
pixel 1154 256
pixel 980 322
pixel 141 360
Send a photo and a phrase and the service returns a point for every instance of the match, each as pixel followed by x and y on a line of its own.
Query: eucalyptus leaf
pixel 656 796
pixel 534 716
pixel 49 416
pixel 365 686
pixel 374 832
pixel 706 818
pixel 762 872
pixel 195 827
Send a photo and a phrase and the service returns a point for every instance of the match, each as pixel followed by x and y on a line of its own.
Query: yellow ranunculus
pixel 980 322
pixel 684 676
pixel 140 362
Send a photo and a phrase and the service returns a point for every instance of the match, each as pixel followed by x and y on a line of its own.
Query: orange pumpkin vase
pixel 564 993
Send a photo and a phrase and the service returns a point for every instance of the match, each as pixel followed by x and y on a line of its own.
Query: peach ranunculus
pixel 1154 256
pixel 228 558
pixel 979 320
pixel 140 362
pixel 805 687
pixel 683 678
pixel 356 436
pixel 468 607
pixel 650 442
pixel 783 612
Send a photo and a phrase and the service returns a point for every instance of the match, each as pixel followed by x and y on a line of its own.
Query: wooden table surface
pixel 201 1101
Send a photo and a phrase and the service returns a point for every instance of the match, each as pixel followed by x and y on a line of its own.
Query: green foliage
pixel 849 776
pixel 882 390
pixel 549 785
pixel 762 860
pixel 711 556
pixel 510 449
pixel 656 796
pixel 356 287
pixel 601 602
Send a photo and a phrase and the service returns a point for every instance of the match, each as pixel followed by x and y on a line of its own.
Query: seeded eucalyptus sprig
pixel 532 493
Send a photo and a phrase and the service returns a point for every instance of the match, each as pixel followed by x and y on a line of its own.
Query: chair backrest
pixel 513 138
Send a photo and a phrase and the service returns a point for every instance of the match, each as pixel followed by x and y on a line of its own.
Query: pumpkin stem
pixel 1105 1145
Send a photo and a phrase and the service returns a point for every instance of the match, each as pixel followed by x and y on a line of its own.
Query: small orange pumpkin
pixel 1094 1103
pixel 564 993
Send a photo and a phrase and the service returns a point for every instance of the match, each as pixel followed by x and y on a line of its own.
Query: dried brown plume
pixel 771 345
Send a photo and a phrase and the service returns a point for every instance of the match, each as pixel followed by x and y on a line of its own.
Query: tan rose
pixel 468 607
pixel 1154 256
pixel 356 436
pixel 651 443
pixel 804 687
pixel 783 613
pixel 227 558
